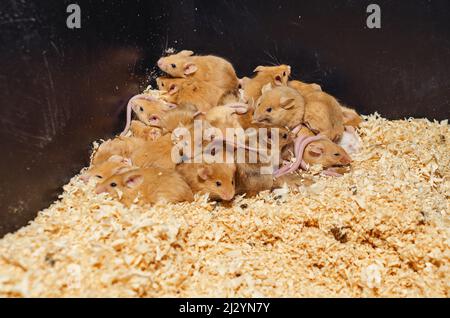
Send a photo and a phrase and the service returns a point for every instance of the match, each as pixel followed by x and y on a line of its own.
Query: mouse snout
pixel 228 195
pixel 345 160
pixel 100 189
pixel 160 63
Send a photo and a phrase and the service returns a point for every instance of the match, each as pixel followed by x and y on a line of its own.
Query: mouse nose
pixel 346 160
pixel 228 196
pixel 160 63
pixel 99 190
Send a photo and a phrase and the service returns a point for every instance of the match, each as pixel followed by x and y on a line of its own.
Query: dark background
pixel 61 89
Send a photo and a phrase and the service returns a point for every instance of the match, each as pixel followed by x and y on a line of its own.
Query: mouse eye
pixel 232 182
pixel 337 154
pixel 141 109
pixel 285 136
pixel 269 109
pixel 173 65
pixel 284 73
pixel 98 176
pixel 113 184
pixel 218 183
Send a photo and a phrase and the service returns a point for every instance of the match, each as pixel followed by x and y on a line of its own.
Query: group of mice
pixel 138 166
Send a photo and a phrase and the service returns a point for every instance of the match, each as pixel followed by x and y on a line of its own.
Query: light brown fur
pixel 152 184
pixel 215 179
pixel 285 107
pixel 350 117
pixel 121 146
pixel 304 88
pixel 281 107
pixel 212 69
pixel 142 131
pixel 274 75
pixel 324 152
pixel 114 165
pixel 149 112
pixel 323 115
pixel 187 92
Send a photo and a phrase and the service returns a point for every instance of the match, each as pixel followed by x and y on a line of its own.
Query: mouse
pixel 310 149
pixel 350 116
pixel 186 92
pixel 274 75
pixel 156 153
pixel 121 146
pixel 226 116
pixel 304 88
pixel 179 118
pixel 147 108
pixel 114 165
pixel 281 106
pixel 148 186
pixel 215 179
pixel 148 133
pixel 323 115
pixel 208 68
pixel 251 179
pixel 286 107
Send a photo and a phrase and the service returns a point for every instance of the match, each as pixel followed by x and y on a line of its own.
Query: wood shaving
pixel 381 230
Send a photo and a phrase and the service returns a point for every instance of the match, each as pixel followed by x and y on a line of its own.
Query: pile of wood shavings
pixel 380 230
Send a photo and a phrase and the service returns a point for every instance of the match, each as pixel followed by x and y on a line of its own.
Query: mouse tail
pixel 299 148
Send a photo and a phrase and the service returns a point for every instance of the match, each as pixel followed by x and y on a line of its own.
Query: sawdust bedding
pixel 380 230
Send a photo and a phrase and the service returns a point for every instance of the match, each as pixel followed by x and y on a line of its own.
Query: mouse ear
pixel 190 68
pixel 186 53
pixel 266 88
pixel 315 150
pixel 287 102
pixel 204 172
pixel 278 81
pixel 243 81
pixel 134 180
pixel 259 68
pixel 173 89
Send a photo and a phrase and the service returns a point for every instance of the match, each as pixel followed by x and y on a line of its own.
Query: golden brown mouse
pixel 281 107
pixel 324 152
pixel 215 179
pixel 209 68
pixel 252 179
pixel 149 186
pixel 304 88
pixel 121 146
pixel 286 107
pixel 187 92
pixel 274 75
pixel 114 165
pixel 142 131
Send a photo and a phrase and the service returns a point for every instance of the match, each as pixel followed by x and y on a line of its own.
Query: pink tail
pixel 239 108
pixel 299 148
